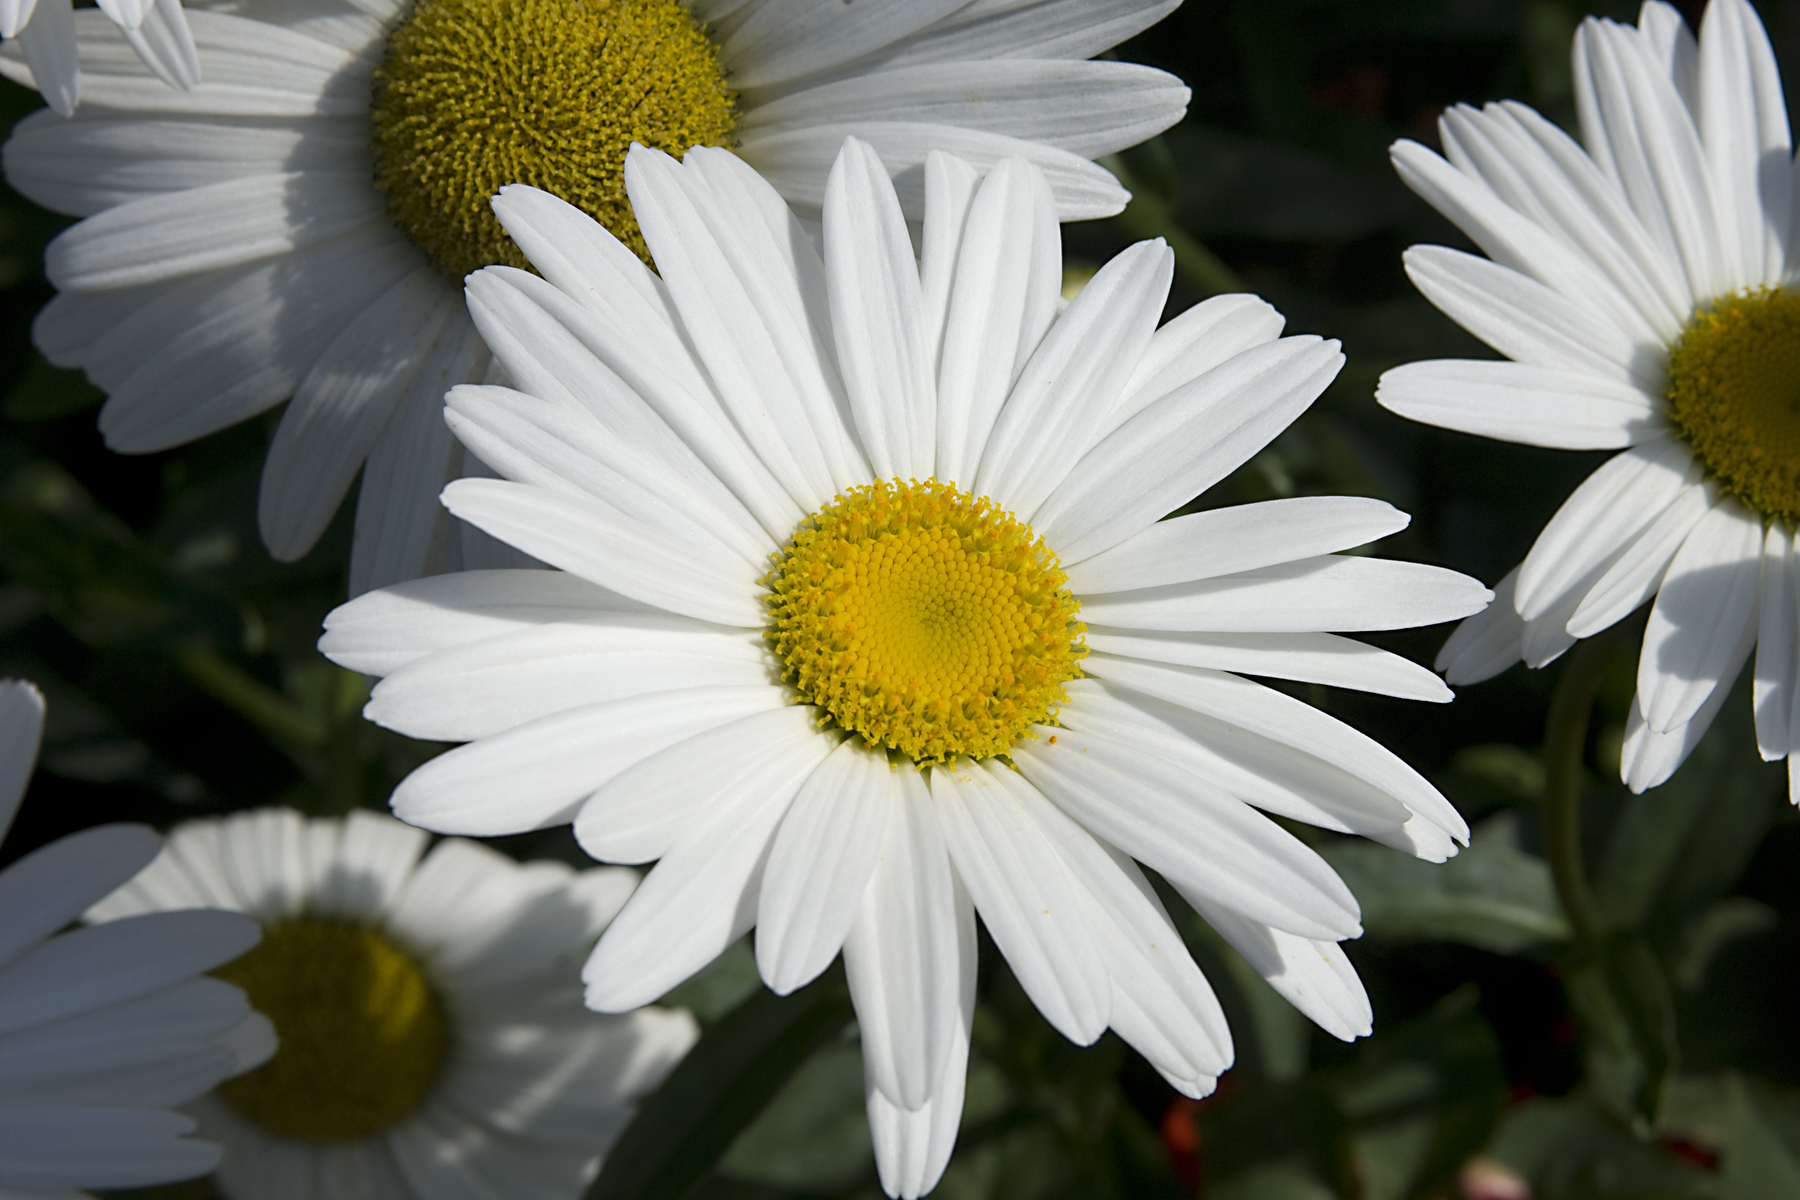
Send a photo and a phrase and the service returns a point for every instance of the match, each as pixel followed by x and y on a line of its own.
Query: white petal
pixel 1603 516
pixel 1742 118
pixel 633 330
pixel 796 162
pixel 162 39
pixel 784 39
pixel 1648 758
pixel 84 969
pixel 1637 572
pixel 1043 29
pixel 342 406
pixel 1283 719
pixel 537 775
pixel 1315 977
pixel 821 862
pixel 699 899
pixel 1031 905
pixel 1087 108
pixel 1185 829
pixel 1488 642
pixel 1777 646
pixel 590 417
pixel 204 228
pixel 1001 299
pixel 402 531
pixel 1516 402
pixel 681 568
pixel 1527 321
pixel 1328 592
pixel 383 631
pixel 1705 610
pixel 1074 378
pixel 1308 657
pixel 950 185
pixel 50 48
pixel 648 808
pixel 1183 444
pixel 54 884
pixel 902 955
pixel 1516 243
pixel 1192 344
pixel 1225 541
pixel 499 683
pixel 877 314
pixel 54 1148
pixel 21 728
pixel 747 298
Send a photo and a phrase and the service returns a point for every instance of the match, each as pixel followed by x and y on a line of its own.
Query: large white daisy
pixel 1643 287
pixel 298 224
pixel 433 1039
pixel 103 1032
pixel 826 531
pixel 156 30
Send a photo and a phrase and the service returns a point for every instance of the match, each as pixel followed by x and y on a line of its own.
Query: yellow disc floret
pixel 1734 394
pixel 362 1032
pixel 477 94
pixel 927 620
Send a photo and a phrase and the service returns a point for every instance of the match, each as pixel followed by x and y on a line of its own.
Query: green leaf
pixel 1492 895
pixel 814 1135
pixel 1568 1150
pixel 1707 932
pixel 683 1128
pixel 1622 997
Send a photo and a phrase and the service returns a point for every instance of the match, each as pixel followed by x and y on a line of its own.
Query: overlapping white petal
pixel 634 691
pixel 1679 194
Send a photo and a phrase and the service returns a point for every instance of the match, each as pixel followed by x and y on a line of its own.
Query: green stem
pixel 1565 743
pixel 1148 216
pixel 263 707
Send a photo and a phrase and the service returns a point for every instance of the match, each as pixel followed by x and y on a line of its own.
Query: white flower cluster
pixel 819 554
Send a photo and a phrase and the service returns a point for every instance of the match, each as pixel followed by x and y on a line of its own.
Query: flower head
pixel 863 619
pixel 103 1032
pixel 431 1037
pixel 296 227
pixel 1644 289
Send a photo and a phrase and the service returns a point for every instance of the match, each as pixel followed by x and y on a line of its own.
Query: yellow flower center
pixel 362 1032
pixel 1734 394
pixel 476 94
pixel 927 620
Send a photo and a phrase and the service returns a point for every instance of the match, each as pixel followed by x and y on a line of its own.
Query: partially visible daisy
pixel 433 1040
pixel 156 30
pixel 104 1032
pixel 1644 288
pixel 864 621
pixel 298 226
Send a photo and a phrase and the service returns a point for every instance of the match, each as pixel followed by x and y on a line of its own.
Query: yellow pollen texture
pixel 477 94
pixel 927 620
pixel 1734 394
pixel 362 1032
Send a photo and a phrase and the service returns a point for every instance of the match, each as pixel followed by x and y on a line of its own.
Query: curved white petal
pixel 1705 614
pixel 1517 402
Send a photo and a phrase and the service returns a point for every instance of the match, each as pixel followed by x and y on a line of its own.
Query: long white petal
pixel 1777 646
pixel 1308 657
pixel 1704 611
pixel 1192 344
pixel 821 862
pixel 21 728
pixel 1637 571
pixel 1488 642
pixel 1517 402
pixel 1316 977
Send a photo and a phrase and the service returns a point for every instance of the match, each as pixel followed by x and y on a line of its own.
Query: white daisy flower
pixel 826 531
pixel 156 30
pixel 297 226
pixel 1643 288
pixel 433 1042
pixel 103 1032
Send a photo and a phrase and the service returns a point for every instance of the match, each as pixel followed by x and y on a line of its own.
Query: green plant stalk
pixel 262 706
pixel 1565 745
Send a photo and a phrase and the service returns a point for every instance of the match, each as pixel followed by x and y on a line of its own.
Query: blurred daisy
pixel 156 30
pixel 297 226
pixel 1644 289
pixel 433 1042
pixel 827 532
pixel 104 1031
